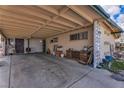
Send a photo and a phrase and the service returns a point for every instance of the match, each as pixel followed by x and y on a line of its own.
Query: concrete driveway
pixel 40 70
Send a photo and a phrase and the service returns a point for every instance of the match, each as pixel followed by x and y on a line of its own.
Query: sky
pixel 116 13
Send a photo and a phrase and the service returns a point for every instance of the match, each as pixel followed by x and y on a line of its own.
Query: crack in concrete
pixel 69 86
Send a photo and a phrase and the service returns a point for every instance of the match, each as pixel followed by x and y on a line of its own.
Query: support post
pixel 3 40
pixel 97 44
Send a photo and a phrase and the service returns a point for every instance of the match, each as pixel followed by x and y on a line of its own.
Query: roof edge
pixel 105 15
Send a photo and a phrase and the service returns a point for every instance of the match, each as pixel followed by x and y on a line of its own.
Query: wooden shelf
pixel 78 55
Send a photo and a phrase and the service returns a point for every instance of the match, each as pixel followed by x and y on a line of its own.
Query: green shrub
pixel 116 66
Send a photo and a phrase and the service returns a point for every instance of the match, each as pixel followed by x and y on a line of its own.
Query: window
pixel 79 36
pixel 75 36
pixel 84 35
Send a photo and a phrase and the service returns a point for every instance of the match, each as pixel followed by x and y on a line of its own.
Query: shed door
pixel 19 45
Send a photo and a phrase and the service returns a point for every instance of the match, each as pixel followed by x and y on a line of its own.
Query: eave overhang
pixel 116 28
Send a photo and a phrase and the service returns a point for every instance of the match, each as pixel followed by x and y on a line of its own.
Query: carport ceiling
pixel 43 21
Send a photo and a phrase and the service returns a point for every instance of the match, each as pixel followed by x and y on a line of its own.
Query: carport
pixel 32 30
pixel 28 28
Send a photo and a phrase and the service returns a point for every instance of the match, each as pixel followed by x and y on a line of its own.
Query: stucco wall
pixel 64 40
pixel 107 39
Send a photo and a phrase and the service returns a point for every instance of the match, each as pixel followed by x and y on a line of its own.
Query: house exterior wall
pixel 107 41
pixel 64 40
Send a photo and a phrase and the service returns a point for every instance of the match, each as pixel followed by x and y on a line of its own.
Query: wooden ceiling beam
pixel 58 26
pixel 37 14
pixel 45 35
pixel 64 23
pixel 16 28
pixel 40 21
pixel 18 22
pixel 43 31
pixel 48 23
pixel 20 16
pixel 81 13
pixel 45 25
pixel 42 27
pixel 61 13
pixel 32 10
pixel 54 18
pixel 4 25
pixel 54 28
pixel 13 32
pixel 26 11
pixel 50 9
pixel 17 25
pixel 16 36
pixel 50 20
pixel 72 19
pixel 55 25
